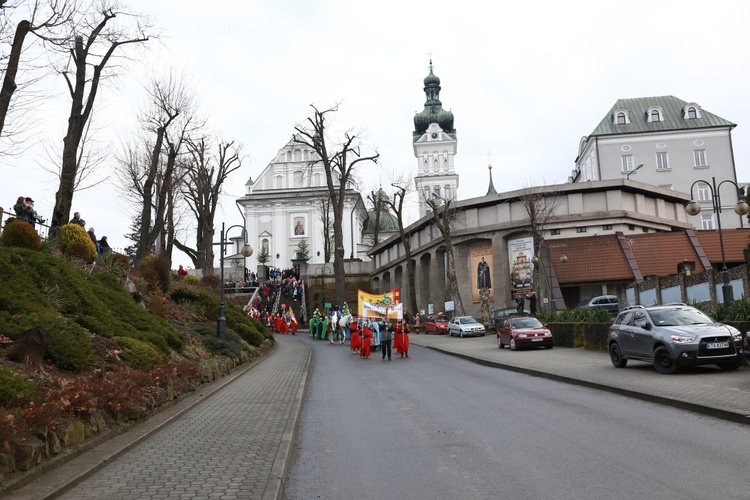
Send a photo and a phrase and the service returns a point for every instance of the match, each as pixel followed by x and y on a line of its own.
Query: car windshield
pixel 441 318
pixel 467 320
pixel 584 302
pixel 679 316
pixel 526 323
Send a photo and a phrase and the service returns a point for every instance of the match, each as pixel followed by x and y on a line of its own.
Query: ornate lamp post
pixel 246 251
pixel 741 209
pixel 548 275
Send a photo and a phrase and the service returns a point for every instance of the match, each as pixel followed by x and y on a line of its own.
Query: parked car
pixel 465 326
pixel 673 335
pixel 498 315
pixel 524 331
pixel 436 324
pixel 606 302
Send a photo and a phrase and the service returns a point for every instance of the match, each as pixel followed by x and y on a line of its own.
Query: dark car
pixel 673 335
pixel 605 302
pixel 436 324
pixel 498 315
pixel 524 332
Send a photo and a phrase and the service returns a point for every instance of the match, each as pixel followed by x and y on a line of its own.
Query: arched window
pixel 655 114
pixel 691 113
pixel 297 179
pixel 622 118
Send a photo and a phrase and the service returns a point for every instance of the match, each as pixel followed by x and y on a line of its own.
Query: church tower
pixel 434 147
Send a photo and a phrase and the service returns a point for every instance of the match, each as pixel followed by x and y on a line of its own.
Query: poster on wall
pixel 299 225
pixel 481 261
pixel 520 252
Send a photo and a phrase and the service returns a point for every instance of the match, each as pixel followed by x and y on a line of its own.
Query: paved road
pixel 433 426
pixel 701 389
pixel 269 394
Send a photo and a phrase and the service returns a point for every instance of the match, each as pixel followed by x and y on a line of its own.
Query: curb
pixel 274 489
pixel 731 416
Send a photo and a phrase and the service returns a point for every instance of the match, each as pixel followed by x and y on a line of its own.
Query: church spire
pixel 491 189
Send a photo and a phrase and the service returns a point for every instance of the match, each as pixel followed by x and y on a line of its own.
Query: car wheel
pixel 500 344
pixel 549 346
pixel 616 356
pixel 662 362
pixel 729 365
pixel 450 332
pixel 513 345
pixel 461 333
pixel 481 335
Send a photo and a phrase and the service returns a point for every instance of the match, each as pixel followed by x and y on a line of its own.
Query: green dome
pixel 431 79
pixel 387 222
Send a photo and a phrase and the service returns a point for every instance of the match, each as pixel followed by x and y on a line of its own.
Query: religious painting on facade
pixel 299 226
pixel 520 252
pixel 480 256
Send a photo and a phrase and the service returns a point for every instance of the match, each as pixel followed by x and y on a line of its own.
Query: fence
pixel 688 288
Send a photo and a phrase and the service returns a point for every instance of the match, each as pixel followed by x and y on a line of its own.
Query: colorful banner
pixel 520 252
pixel 369 306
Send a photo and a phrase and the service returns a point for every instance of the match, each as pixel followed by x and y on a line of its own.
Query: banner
pixel 480 256
pixel 368 304
pixel 520 252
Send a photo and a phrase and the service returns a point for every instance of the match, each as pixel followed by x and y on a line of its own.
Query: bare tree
pixel 205 178
pixel 44 18
pixel 324 210
pixel 540 205
pixel 443 217
pixel 397 205
pixel 171 107
pixel 339 164
pixel 378 199
pixel 95 49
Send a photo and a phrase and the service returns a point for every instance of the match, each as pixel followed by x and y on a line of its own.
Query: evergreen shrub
pixel 18 233
pixel 15 389
pixel 71 233
pixel 191 280
pixel 139 354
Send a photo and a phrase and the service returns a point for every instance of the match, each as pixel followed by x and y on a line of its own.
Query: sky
pixel 524 80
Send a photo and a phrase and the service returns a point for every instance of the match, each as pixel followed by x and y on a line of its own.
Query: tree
pixel 397 205
pixel 263 255
pixel 540 205
pixel 339 164
pixel 93 51
pixel 324 210
pixel 443 216
pixel 171 107
pixel 379 200
pixel 205 179
pixel 303 251
pixel 43 21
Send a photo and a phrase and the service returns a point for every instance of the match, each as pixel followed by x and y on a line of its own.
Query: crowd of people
pixel 364 334
pixel 24 211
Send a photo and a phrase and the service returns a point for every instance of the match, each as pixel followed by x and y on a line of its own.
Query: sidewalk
pixel 234 442
pixel 704 390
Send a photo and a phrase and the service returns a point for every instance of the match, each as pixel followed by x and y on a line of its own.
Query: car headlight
pixel 681 339
pixel 737 336
pixel 521 335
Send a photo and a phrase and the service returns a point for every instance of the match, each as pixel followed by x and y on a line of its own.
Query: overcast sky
pixel 525 81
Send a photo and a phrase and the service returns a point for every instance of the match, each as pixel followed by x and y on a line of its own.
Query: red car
pixel 436 324
pixel 523 331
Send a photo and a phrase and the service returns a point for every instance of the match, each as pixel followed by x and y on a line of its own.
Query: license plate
pixel 536 340
pixel 717 345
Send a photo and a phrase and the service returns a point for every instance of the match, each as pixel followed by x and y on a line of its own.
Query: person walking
pixel 386 337
pixel 417 321
pixel 401 338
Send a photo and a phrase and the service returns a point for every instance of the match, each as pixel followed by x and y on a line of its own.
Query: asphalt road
pixel 436 426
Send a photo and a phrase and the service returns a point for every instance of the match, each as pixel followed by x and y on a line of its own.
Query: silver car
pixel 673 335
pixel 465 326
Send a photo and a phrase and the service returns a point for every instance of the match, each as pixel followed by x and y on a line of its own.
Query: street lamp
pixel 741 209
pixel 246 251
pixel 548 276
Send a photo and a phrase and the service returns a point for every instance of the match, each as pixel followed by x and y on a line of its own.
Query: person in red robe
pixel 277 323
pixel 356 341
pixel 401 338
pixel 364 351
